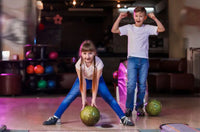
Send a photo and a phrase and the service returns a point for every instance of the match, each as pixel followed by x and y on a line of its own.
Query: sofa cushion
pixel 154 65
pixel 182 81
pixel 169 65
pixel 159 82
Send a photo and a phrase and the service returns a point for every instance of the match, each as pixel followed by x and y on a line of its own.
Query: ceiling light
pixel 39 5
pixel 118 5
pixel 131 9
pixel 74 2
pixel 82 3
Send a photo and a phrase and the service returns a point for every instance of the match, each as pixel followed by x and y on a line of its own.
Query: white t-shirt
pixel 88 71
pixel 138 38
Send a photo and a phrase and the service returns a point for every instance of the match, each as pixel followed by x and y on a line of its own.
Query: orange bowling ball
pixel 30 69
pixel 38 69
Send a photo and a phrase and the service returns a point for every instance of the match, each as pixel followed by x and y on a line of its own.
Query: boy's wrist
pixel 154 18
pixel 119 18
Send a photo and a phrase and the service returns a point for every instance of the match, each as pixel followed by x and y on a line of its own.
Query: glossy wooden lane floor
pixel 28 113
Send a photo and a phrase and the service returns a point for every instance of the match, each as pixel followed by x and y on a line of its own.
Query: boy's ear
pixel 145 17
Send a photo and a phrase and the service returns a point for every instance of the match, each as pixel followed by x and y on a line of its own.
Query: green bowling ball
pixel 153 107
pixel 90 115
pixel 42 84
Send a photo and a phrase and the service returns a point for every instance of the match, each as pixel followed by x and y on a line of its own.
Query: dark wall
pixel 75 28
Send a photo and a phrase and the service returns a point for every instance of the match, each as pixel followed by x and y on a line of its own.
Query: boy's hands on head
pixel 152 16
pixel 123 15
pixel 161 28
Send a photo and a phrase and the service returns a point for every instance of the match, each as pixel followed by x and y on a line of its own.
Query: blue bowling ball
pixel 51 84
pixel 49 69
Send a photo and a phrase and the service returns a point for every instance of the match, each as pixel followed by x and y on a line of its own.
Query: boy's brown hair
pixel 140 9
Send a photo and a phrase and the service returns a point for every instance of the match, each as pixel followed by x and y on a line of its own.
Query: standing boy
pixel 138 46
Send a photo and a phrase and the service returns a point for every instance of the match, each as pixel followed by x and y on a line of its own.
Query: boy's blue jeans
pixel 137 70
pixel 102 91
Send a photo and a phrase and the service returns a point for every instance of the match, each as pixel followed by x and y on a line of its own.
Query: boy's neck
pixel 138 25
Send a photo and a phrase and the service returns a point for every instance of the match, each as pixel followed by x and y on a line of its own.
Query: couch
pixel 169 76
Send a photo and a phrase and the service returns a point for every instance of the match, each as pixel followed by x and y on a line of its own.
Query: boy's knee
pixel 131 84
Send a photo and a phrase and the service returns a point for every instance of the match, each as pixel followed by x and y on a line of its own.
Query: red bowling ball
pixel 115 75
pixel 30 69
pixel 30 55
pixel 38 69
pixel 53 55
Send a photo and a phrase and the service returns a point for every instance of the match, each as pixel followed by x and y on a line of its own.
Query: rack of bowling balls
pixel 36 52
pixel 40 70
pixel 40 77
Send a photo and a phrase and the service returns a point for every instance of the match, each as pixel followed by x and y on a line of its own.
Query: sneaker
pixel 126 121
pixel 128 113
pixel 52 121
pixel 140 112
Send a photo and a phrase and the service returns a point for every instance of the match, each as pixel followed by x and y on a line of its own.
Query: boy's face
pixel 139 18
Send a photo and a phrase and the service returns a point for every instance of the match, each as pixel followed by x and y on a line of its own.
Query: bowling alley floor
pixel 28 113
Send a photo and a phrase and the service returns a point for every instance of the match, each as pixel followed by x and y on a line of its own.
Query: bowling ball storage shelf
pixel 40 68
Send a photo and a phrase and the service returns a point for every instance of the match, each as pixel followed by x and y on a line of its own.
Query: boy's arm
pixel 94 93
pixel 161 28
pixel 115 28
pixel 83 92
